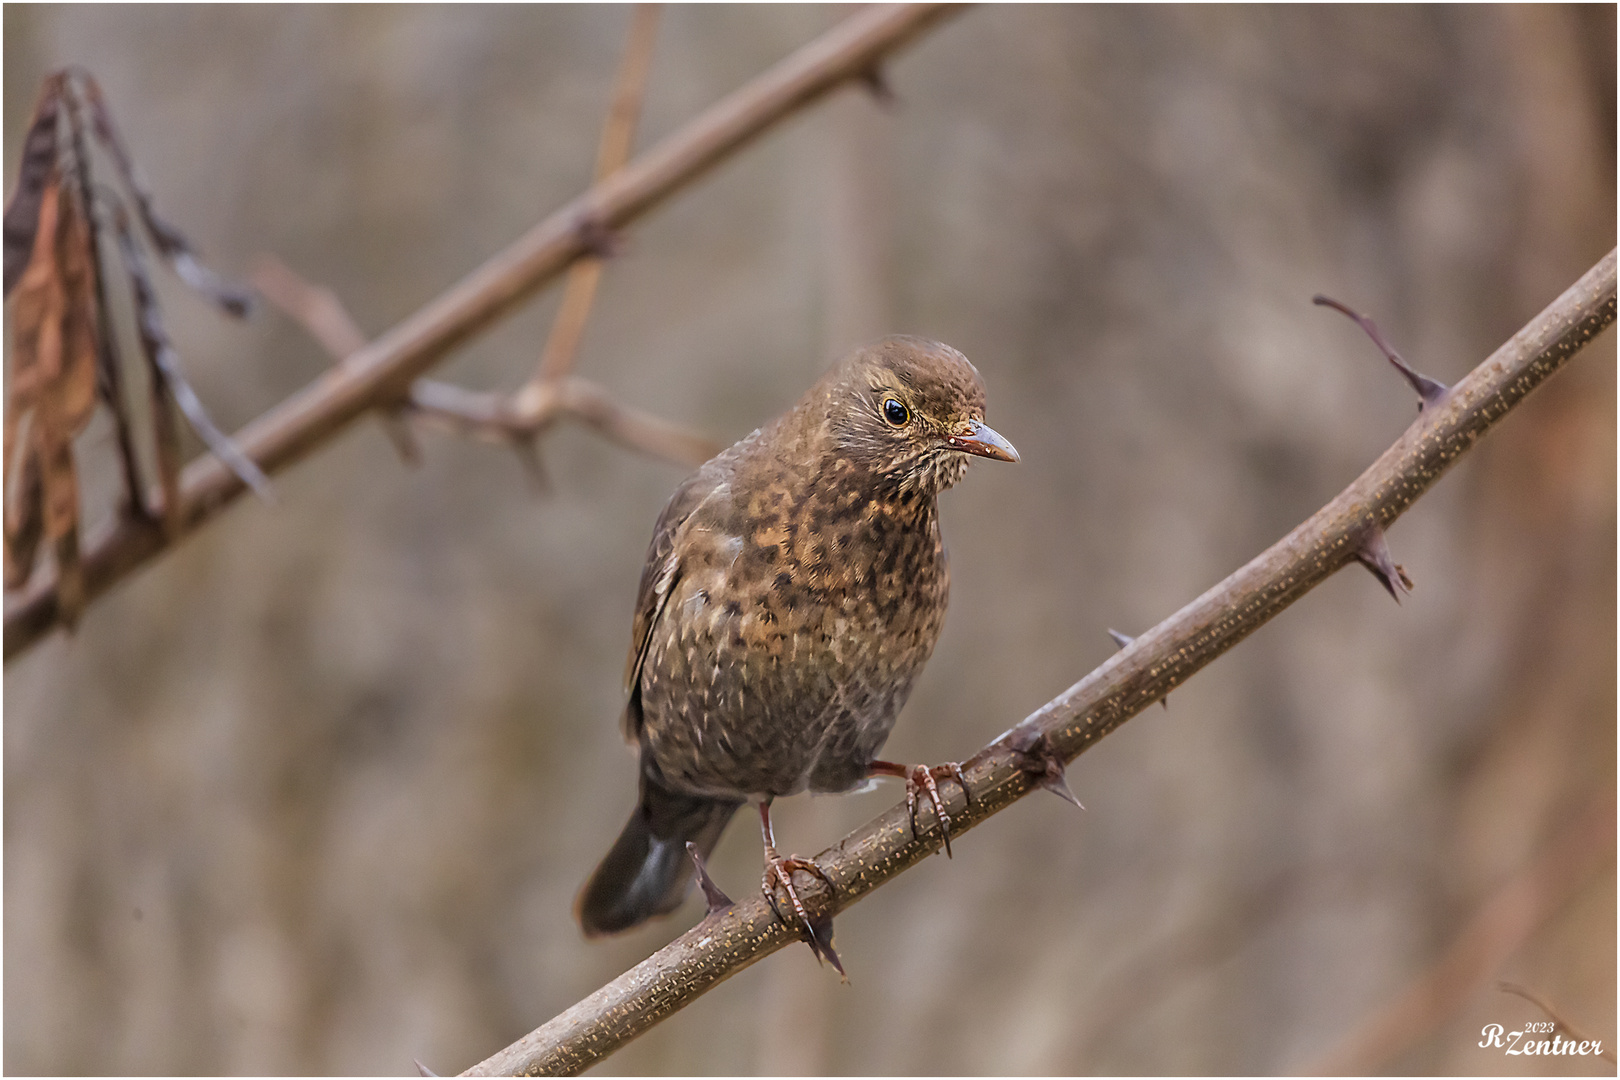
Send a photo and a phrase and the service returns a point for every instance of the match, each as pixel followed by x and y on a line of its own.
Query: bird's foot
pixel 923 780
pixel 779 871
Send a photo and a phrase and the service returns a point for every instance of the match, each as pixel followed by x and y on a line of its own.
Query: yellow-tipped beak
pixel 981 440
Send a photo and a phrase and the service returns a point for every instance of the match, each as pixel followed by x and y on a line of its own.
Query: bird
pixel 794 588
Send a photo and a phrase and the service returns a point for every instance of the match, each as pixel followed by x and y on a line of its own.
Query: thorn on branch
pixel 423 1069
pixel 399 433
pixel 1374 555
pixel 598 237
pixel 1429 390
pixel 716 899
pixel 1037 758
pixel 876 82
pixel 534 466
pixel 1123 640
pixel 821 943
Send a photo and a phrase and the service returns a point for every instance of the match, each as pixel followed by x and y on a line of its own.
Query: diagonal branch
pixel 380 372
pixel 1131 680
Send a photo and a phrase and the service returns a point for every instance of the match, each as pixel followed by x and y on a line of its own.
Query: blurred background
pixel 314 792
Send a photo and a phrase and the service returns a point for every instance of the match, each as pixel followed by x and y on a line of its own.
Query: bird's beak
pixel 981 440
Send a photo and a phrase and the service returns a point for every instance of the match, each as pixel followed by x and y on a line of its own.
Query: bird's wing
pixel 658 577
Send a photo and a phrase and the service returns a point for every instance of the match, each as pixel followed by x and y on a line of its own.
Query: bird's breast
pixel 790 642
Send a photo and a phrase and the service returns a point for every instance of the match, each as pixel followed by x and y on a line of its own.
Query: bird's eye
pixel 895 412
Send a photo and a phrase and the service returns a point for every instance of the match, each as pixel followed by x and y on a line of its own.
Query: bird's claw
pixel 780 870
pixel 924 778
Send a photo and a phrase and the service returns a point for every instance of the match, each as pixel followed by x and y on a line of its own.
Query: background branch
pixel 380 372
pixel 1137 676
pixel 507 419
pixel 580 290
pixel 1571 1032
pixel 1531 897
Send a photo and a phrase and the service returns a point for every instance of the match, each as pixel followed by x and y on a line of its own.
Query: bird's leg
pixel 778 869
pixel 920 779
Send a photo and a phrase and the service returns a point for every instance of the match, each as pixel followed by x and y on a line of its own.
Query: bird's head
pixel 912 410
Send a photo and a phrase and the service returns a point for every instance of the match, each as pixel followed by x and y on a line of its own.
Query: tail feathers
pixel 647 872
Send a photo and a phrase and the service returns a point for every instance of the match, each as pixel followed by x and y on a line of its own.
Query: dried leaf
pixel 75 163
pixel 166 370
pixel 73 394
pixel 24 523
pixel 166 440
pixel 38 163
pixel 230 297
pixel 54 383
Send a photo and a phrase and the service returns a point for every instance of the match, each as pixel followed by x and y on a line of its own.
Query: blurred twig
pixel 380 373
pixel 580 289
pixel 551 393
pixel 1495 933
pixel 500 418
pixel 1131 680
pixel 1574 1033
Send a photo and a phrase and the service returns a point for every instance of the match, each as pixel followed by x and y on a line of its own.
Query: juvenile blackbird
pixel 795 586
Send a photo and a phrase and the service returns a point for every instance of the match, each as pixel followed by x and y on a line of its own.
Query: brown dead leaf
pixel 24 522
pixel 53 388
pixel 230 297
pixel 38 163
pixel 165 369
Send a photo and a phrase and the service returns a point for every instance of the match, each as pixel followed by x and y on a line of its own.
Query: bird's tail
pixel 648 871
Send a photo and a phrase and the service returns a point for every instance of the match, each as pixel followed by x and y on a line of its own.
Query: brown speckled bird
pixel 795 586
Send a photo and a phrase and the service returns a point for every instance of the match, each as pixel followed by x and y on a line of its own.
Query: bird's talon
pixel 925 779
pixel 781 870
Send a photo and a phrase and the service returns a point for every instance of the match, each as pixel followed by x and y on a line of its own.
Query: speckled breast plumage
pixel 794 612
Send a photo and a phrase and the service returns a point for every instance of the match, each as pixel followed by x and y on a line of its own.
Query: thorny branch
pixel 1138 675
pixel 378 374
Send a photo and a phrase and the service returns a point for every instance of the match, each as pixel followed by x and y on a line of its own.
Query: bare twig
pixel 1533 894
pixel 514 420
pixel 1132 679
pixel 579 292
pixel 322 315
pixel 508 420
pixel 628 426
pixel 314 307
pixel 1574 1033
pixel 381 371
